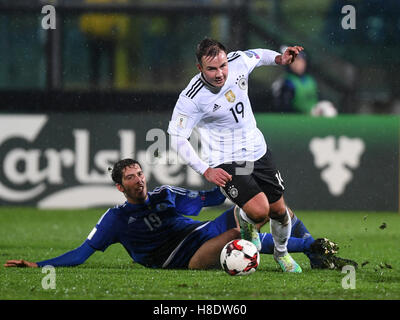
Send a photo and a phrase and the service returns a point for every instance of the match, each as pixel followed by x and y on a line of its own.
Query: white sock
pixel 245 217
pixel 281 233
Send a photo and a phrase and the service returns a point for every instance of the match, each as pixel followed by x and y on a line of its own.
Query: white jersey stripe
pixel 170 187
pixel 195 85
pixel 233 58
pixel 193 95
pixel 173 189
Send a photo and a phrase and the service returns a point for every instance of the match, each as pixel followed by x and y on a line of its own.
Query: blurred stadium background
pixel 77 98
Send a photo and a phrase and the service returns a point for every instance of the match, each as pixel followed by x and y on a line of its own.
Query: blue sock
pixel 294 244
pixel 267 243
pixel 299 230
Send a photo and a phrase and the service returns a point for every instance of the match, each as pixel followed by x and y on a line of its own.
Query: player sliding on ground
pixel 154 231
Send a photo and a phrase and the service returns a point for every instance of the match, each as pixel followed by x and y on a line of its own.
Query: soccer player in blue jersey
pixel 154 231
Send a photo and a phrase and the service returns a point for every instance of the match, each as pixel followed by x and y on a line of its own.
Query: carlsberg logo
pixel 27 129
pixel 336 158
pixel 58 162
pixel 34 169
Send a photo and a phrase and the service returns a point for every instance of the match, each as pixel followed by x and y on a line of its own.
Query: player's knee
pixel 257 213
pixel 279 214
pixel 194 264
pixel 207 256
pixel 278 210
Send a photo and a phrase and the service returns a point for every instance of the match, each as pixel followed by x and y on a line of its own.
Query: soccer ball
pixel 239 257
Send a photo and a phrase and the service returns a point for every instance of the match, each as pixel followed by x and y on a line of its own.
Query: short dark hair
pixel 116 173
pixel 209 48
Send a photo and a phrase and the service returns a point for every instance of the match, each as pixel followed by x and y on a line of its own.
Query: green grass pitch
pixel 372 239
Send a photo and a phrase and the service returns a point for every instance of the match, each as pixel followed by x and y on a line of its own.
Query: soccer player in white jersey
pixel 235 155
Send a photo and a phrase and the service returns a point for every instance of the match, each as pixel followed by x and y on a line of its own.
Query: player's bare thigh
pixel 207 256
pixel 257 208
pixel 259 204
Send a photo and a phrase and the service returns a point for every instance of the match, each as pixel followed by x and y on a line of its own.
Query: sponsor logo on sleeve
pixel 181 121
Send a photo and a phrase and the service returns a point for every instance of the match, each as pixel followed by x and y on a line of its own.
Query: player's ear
pixel 199 67
pixel 120 187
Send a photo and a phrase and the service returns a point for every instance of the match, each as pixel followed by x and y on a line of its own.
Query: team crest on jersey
pixel 243 84
pixel 241 81
pixel 233 192
pixel 161 206
pixel 193 194
pixel 230 96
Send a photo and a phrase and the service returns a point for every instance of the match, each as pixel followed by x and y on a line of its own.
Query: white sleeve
pixel 185 150
pixel 260 57
pixel 184 118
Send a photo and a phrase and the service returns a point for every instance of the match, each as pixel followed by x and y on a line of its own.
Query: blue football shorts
pixel 182 254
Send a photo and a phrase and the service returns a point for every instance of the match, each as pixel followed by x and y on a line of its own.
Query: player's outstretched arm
pixel 288 56
pixel 72 258
pixel 20 264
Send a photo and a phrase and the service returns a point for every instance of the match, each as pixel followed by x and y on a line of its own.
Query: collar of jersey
pixel 136 206
pixel 212 88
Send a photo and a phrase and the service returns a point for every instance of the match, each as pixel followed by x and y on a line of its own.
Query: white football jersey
pixel 223 116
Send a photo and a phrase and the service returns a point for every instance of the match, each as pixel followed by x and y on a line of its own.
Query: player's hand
pixel 20 264
pixel 217 176
pixel 290 55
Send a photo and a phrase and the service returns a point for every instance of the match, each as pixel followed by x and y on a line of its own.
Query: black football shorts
pixel 251 178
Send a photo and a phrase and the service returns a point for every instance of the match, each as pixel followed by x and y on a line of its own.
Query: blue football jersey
pixel 151 231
